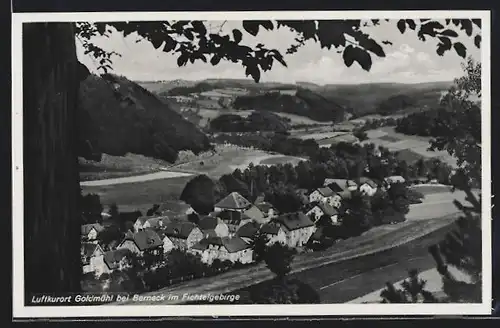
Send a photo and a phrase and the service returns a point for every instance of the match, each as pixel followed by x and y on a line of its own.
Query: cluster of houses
pixel 225 234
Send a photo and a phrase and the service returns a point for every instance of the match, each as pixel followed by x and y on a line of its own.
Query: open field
pixel 321 135
pixel 275 160
pixel 387 137
pixel 118 166
pixel 140 194
pixel 428 189
pixel 215 93
pixel 226 159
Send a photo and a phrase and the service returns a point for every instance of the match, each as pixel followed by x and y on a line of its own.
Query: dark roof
pixel 210 233
pixel 232 217
pixel 88 249
pixel 254 213
pixel 208 222
pixel 318 234
pixel 368 181
pixel 265 206
pixel 231 244
pixel 180 230
pixel 113 258
pixel 325 191
pixel 86 228
pixel 248 230
pixel 143 219
pixel 271 228
pixel 146 239
pixel 335 187
pixel 326 208
pixel 154 222
pixel 233 201
pixel 343 184
pixel 294 221
pixel 346 194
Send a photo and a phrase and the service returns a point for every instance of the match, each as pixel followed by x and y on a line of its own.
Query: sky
pixel 408 60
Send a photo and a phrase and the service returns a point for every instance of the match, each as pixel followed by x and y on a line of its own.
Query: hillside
pixel 359 99
pixel 366 98
pixel 123 117
pixel 302 102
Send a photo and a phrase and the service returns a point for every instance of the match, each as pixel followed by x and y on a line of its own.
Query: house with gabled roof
pixel 393 179
pixel 248 231
pixel 234 249
pixel 182 235
pixel 324 195
pixel 114 260
pixel 367 186
pixel 233 202
pixel 339 185
pixel 213 226
pixel 255 214
pixel 89 232
pixel 274 232
pixel 143 241
pixel 139 223
pixel 298 228
pixel 89 254
pixel 233 219
pixel 153 223
pixel 317 210
pixel 267 209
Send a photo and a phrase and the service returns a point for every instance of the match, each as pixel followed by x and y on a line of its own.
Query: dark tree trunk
pixel 51 181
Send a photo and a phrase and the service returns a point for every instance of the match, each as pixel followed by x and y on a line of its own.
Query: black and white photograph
pixel 251 163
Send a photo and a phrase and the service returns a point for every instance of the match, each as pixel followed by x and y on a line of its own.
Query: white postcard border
pixel 22 311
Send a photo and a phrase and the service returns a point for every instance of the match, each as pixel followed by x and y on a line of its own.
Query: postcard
pixel 314 163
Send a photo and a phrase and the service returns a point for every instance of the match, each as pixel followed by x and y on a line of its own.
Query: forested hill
pixel 120 116
pixel 301 102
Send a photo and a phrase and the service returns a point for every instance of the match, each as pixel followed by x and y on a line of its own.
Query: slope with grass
pixel 122 117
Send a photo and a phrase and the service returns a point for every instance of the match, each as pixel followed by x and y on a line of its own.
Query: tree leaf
pixel 169 44
pixel 254 72
pixel 156 42
pixel 401 25
pixel 411 24
pixel 446 42
pixel 279 58
pixel 199 27
pixel 467 26
pixel 477 41
pixel 189 35
pixel 348 55
pixel 251 27
pixel 460 49
pixel 373 46
pixel 182 60
pixel 215 60
pixel 268 25
pixel 237 35
pixel 363 58
pixel 430 28
pixel 450 33
pixel 101 28
pixel 331 33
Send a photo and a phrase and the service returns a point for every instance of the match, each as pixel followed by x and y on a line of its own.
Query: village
pixel 229 233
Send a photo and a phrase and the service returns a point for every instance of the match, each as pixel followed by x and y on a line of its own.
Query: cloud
pixel 406 48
